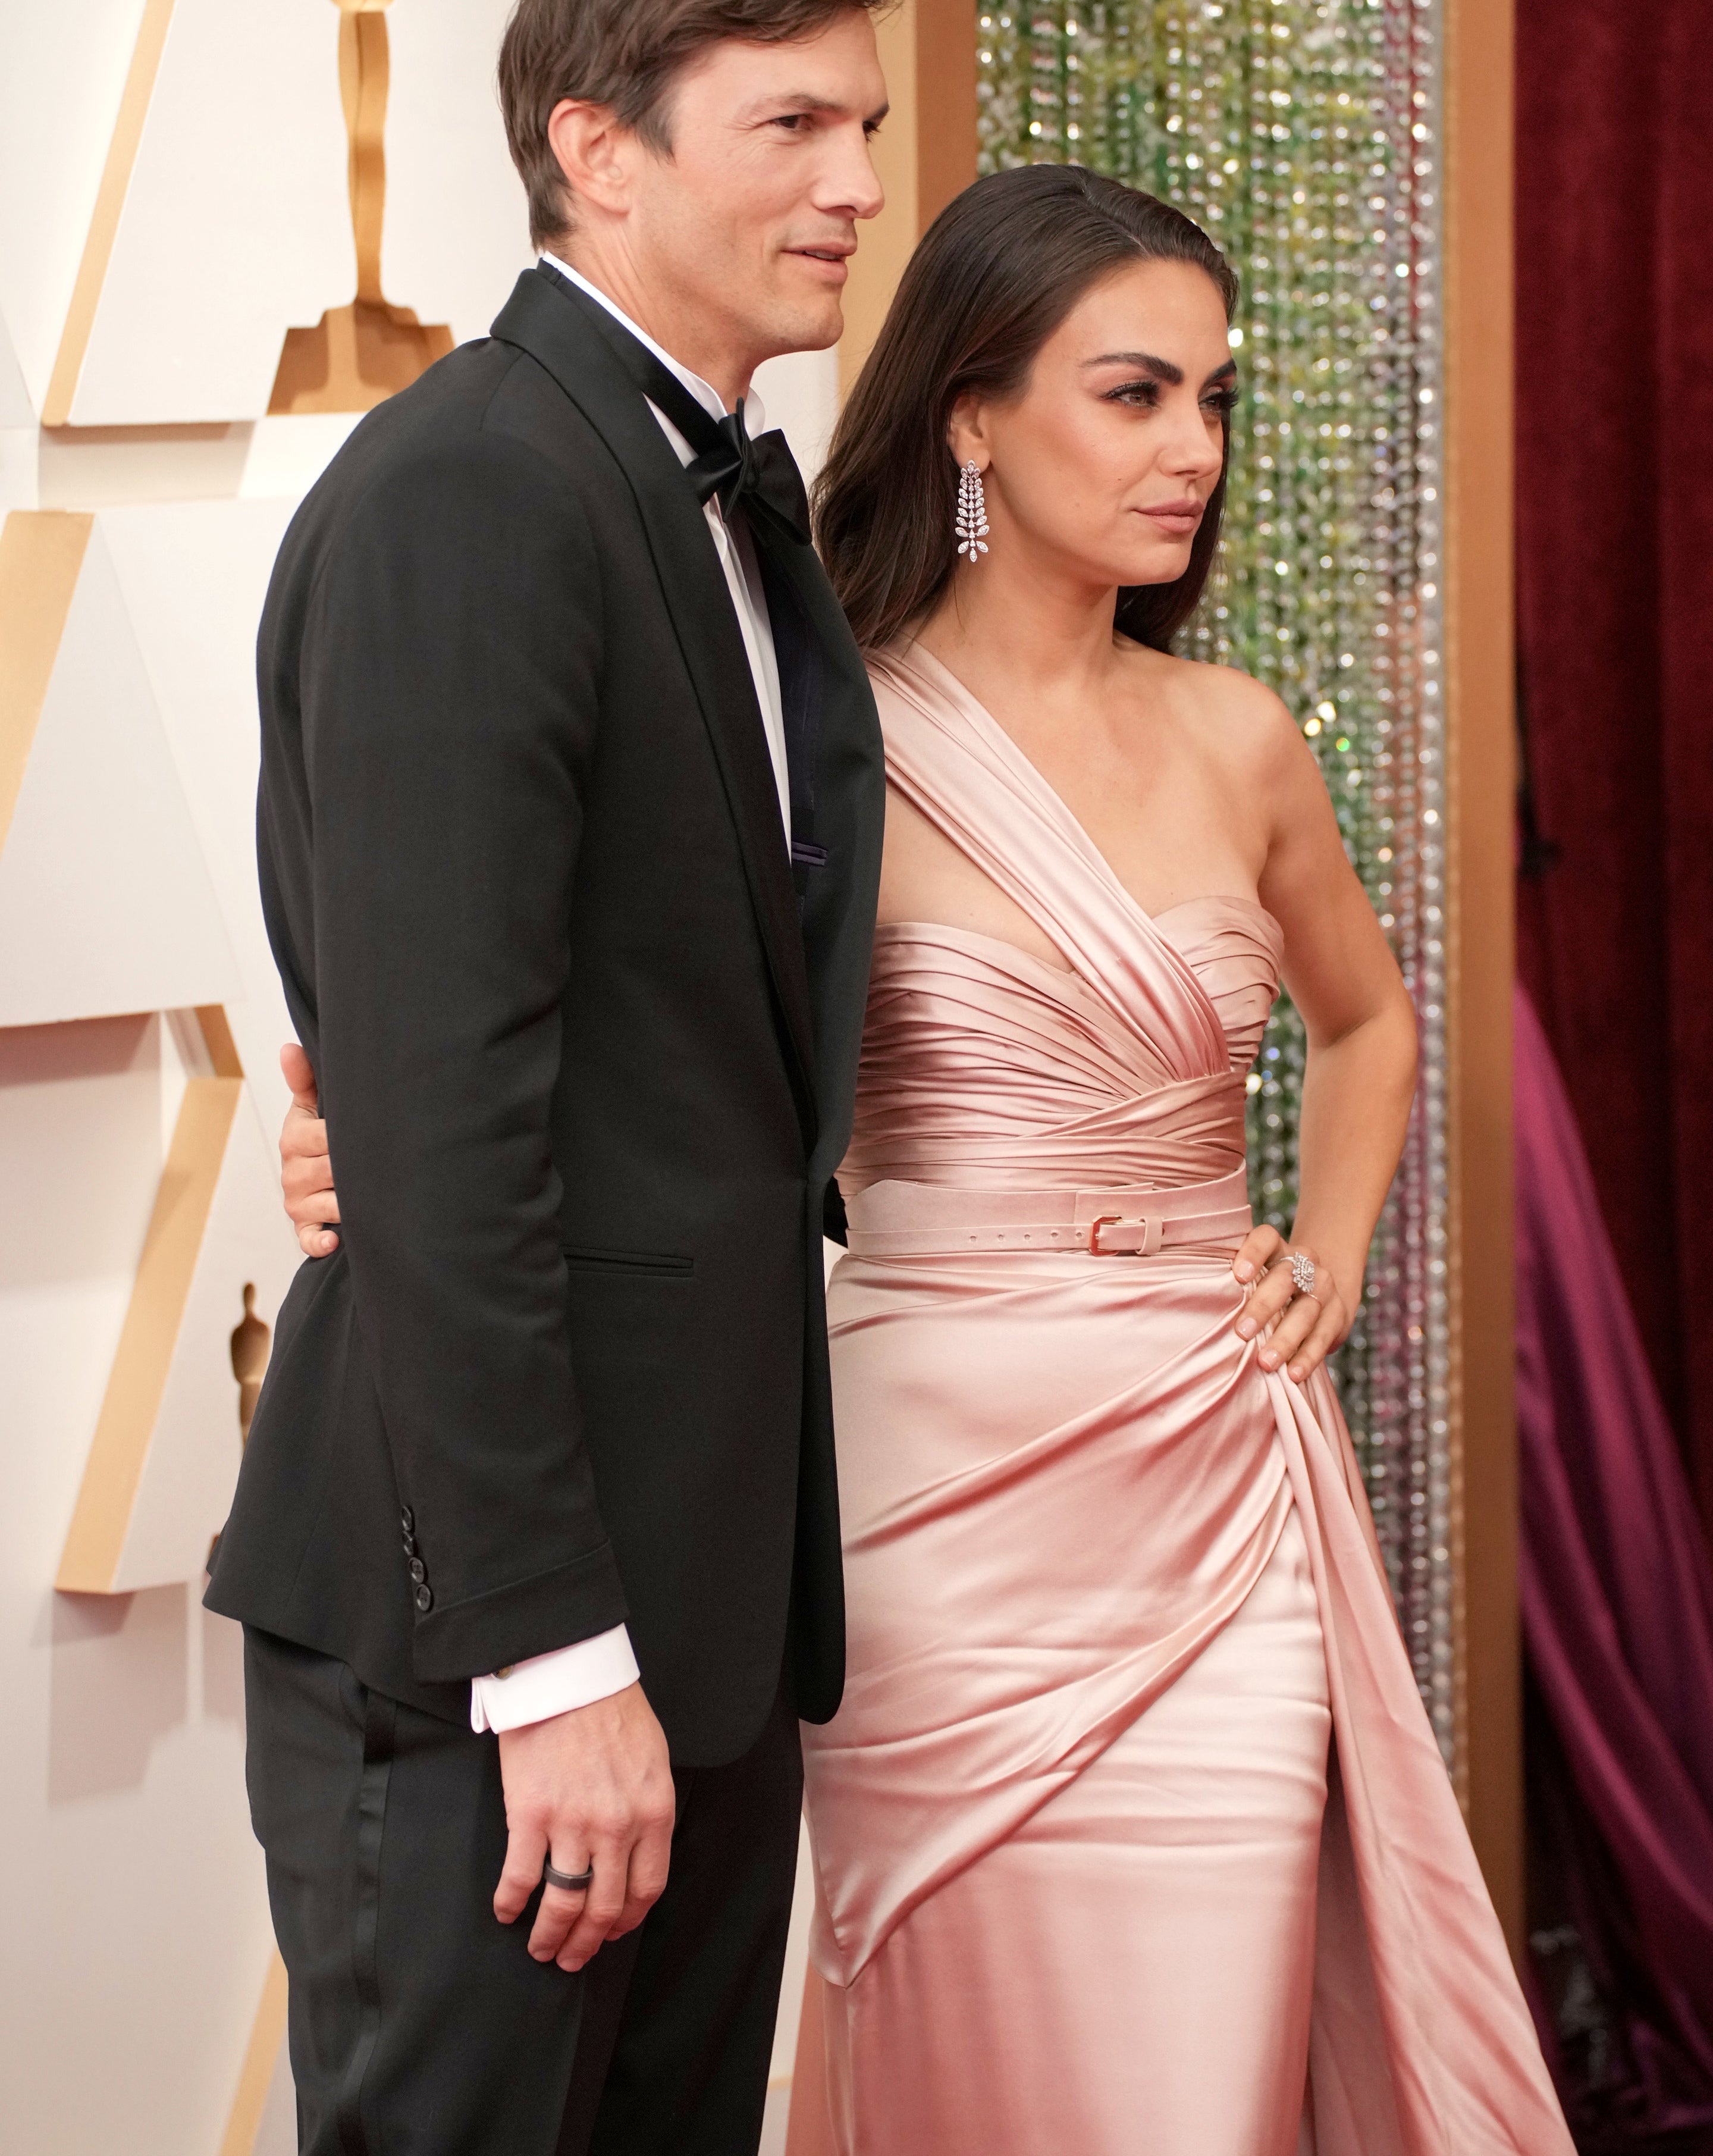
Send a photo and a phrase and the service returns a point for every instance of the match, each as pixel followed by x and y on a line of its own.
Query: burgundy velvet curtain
pixel 1615 646
pixel 1615 589
pixel 1617 1591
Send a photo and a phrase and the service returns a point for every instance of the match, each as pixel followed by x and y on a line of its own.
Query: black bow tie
pixel 759 475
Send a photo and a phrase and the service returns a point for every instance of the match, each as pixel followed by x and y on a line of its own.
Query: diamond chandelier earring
pixel 972 512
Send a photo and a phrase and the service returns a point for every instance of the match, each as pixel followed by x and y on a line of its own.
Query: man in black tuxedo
pixel 569 834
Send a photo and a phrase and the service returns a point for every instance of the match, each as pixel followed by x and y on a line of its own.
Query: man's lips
pixel 830 256
pixel 1177 518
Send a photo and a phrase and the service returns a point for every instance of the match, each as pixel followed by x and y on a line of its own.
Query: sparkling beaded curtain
pixel 1303 134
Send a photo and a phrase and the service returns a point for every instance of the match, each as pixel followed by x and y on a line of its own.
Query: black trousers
pixel 420 2025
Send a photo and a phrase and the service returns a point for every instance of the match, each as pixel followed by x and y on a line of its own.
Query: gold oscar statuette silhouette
pixel 356 357
pixel 251 1340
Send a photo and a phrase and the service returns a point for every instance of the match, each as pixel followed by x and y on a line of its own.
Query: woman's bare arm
pixel 1360 1075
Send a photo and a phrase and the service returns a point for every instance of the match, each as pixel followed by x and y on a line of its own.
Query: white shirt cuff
pixel 556 1683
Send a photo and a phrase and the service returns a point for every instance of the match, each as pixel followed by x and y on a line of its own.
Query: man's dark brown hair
pixel 625 54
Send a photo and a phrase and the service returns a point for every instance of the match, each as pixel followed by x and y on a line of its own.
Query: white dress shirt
pixel 567 1677
pixel 731 543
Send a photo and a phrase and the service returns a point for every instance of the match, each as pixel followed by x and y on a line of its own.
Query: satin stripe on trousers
pixel 420 2025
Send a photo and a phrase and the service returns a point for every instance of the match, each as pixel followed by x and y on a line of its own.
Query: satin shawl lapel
pixel 547 319
pixel 831 712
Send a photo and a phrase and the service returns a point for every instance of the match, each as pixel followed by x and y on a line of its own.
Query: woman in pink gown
pixel 1131 1837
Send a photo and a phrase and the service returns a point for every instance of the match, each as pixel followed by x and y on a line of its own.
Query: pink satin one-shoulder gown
pixel 1131 1837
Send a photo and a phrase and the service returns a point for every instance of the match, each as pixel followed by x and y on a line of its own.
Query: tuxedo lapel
pixel 801 678
pixel 839 791
pixel 545 318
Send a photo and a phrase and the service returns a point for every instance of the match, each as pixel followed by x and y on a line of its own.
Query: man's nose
pixel 851 186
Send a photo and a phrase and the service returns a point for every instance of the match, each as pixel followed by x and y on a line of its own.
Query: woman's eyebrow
pixel 1144 361
pixel 1162 369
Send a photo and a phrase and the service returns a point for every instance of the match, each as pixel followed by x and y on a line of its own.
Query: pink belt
pixel 928 1220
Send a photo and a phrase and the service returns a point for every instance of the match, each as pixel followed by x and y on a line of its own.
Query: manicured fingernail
pixel 1269 1360
pixel 1247 1329
pixel 1243 1270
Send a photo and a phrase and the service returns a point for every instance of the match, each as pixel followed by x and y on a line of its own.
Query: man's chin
pixel 800 329
pixel 816 326
pixel 824 336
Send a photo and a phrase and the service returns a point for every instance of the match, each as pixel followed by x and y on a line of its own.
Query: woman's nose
pixel 1195 449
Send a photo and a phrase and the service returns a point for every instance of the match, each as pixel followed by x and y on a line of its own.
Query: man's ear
pixel 596 154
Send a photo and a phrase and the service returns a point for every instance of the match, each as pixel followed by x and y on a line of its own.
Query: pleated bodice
pixel 983 1063
pixel 985 1066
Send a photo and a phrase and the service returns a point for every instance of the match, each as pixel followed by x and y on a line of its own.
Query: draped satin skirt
pixel 1132 1836
pixel 1133 1968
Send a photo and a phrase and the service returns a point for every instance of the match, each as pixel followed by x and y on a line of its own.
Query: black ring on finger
pixel 570 1882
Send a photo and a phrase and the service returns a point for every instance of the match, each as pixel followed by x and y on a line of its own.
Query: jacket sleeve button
pixel 425 1599
pixel 418 1570
pixel 408 1521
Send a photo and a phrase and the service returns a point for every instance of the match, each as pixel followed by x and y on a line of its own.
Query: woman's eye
pixel 1223 402
pixel 1145 393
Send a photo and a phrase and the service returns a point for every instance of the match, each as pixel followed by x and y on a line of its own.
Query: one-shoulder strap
pixel 952 759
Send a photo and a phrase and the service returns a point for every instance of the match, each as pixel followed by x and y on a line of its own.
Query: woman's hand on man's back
pixel 305 1166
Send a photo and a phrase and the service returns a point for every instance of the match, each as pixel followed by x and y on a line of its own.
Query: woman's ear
pixel 966 433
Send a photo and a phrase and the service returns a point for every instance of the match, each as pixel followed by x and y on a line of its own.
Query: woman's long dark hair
pixel 995 275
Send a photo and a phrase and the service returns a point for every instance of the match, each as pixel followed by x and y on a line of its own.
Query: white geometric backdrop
pixel 172 201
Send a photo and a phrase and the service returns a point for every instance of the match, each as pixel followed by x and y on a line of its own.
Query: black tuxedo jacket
pixel 586 1046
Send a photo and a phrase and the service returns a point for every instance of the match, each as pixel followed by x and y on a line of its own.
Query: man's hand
pixel 306 1170
pixel 591 1789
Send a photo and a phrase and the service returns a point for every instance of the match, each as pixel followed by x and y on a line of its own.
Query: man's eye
pixel 794 121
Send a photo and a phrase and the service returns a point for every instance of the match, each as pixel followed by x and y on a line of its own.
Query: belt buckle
pixel 1152 1225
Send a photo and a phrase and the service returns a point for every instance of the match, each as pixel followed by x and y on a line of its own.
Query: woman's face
pixel 1100 471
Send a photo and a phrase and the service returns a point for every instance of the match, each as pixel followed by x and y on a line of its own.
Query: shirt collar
pixel 705 395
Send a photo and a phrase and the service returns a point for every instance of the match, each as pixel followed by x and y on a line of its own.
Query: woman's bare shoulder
pixel 1236 719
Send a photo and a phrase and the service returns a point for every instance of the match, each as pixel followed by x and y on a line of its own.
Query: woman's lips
pixel 1180 518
